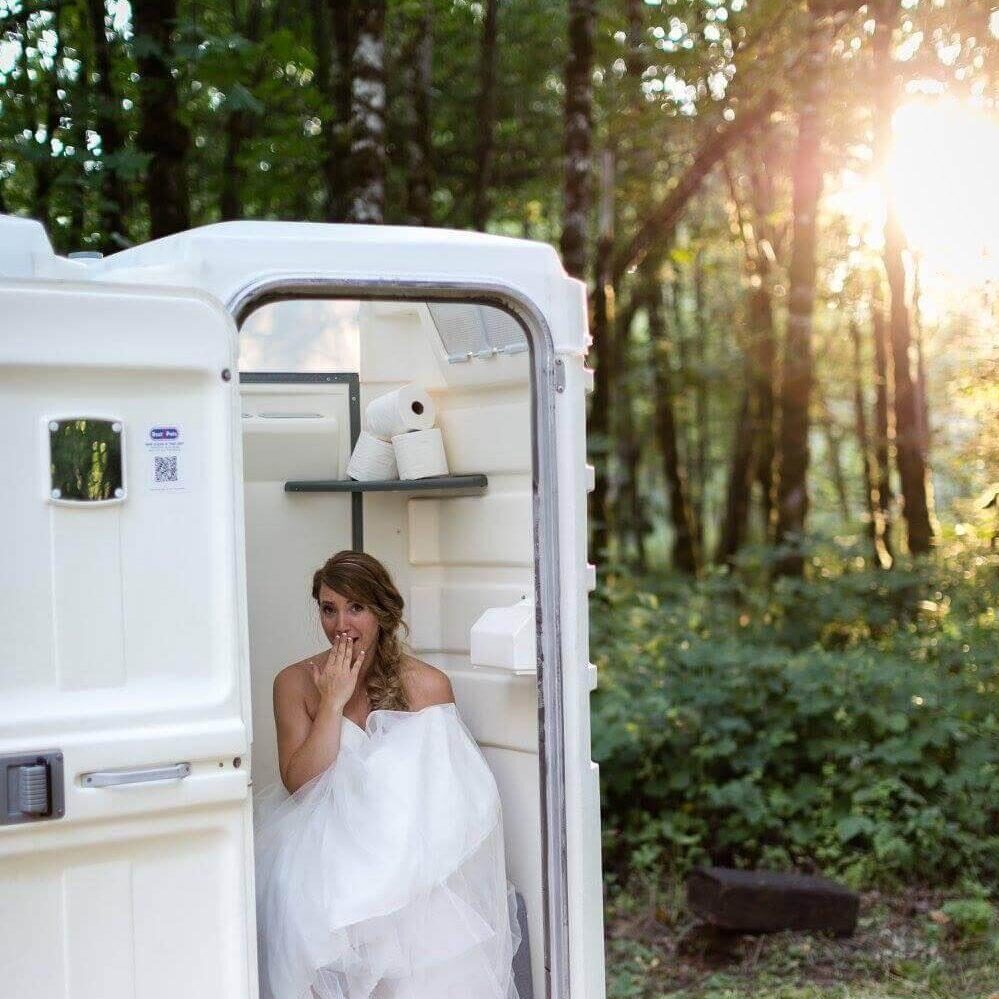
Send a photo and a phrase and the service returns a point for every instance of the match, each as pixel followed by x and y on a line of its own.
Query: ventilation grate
pixel 468 331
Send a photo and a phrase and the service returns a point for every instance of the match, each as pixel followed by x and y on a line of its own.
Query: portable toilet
pixel 179 419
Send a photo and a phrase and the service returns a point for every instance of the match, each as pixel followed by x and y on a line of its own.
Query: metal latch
pixel 31 787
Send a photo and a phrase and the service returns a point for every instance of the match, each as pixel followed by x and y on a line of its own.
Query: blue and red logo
pixel 164 433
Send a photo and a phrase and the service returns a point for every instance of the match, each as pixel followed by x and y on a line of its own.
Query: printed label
pixel 165 457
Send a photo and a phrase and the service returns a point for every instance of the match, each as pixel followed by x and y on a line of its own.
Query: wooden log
pixel 768 901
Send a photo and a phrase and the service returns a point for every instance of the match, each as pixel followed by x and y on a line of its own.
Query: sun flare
pixel 942 173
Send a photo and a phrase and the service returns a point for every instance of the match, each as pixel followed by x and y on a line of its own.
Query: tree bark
pixel 882 426
pixel 81 98
pixel 922 400
pixel 909 454
pixel 367 114
pixel 578 138
pixel 796 388
pixel 767 247
pixel 760 352
pixel 684 554
pixel 628 515
pixel 419 143
pixel 701 418
pixel 486 118
pixel 602 326
pixel 834 457
pixel 875 521
pixel 740 478
pixel 331 39
pixel 46 168
pixel 115 199
pixel 238 123
pixel 163 136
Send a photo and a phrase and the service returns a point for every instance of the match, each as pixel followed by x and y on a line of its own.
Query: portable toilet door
pixel 125 818
pixel 245 265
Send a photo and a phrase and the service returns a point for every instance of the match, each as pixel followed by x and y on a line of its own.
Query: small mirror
pixel 85 460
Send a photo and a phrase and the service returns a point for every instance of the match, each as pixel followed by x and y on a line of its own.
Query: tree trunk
pixel 114 190
pixel 332 41
pixel 909 455
pixel 367 114
pixel 684 545
pixel 163 137
pixel 882 426
pixel 628 519
pixel 834 457
pixel 238 124
pixel 81 117
pixel 796 388
pixel 578 138
pixel 760 351
pixel 628 516
pixel 46 169
pixel 699 498
pixel 875 519
pixel 602 326
pixel 420 170
pixel 740 478
pixel 486 118
pixel 922 402
pixel 764 337
pixel 230 199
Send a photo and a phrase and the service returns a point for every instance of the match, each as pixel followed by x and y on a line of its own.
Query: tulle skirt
pixel 384 876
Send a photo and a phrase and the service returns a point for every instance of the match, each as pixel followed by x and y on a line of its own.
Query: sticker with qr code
pixel 165 451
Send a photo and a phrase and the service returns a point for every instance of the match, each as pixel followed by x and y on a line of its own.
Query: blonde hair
pixel 362 578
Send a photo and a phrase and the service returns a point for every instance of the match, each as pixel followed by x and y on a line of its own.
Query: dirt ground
pixel 905 947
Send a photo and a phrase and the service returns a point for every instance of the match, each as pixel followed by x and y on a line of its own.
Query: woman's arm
pixel 308 746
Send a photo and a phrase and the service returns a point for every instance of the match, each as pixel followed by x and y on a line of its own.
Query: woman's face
pixel 342 616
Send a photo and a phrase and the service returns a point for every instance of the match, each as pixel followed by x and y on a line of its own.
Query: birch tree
pixel 367 113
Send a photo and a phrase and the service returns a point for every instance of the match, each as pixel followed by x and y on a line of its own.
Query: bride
pixel 379 858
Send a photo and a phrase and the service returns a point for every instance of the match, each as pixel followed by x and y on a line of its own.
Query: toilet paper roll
pixel 407 408
pixel 420 454
pixel 372 459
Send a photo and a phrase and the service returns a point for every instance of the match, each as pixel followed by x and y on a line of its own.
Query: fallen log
pixel 770 901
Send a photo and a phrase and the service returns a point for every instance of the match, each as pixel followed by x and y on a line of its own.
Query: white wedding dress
pixel 384 876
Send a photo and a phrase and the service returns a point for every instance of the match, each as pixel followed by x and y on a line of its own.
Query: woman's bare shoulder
pixel 425 685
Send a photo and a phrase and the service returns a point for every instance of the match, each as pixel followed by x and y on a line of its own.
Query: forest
pixel 785 213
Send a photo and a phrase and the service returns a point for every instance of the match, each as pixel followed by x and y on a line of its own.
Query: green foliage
pixel 847 723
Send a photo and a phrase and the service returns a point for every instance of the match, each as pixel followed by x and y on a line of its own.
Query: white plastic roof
pixel 222 259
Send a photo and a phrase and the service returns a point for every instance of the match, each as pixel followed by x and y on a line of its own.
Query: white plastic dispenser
pixel 504 638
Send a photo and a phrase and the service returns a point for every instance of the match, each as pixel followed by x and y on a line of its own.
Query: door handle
pixel 138 775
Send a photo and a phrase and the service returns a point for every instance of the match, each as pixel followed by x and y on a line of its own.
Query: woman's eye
pixel 356 608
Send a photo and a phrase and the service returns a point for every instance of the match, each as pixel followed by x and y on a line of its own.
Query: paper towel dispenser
pixel 504 638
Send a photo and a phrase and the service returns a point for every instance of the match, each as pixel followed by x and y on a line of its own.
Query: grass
pixel 915 944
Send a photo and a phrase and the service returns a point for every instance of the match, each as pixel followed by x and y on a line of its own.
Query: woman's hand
pixel 337 677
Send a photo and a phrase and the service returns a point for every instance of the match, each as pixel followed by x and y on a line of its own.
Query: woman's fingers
pixel 340 654
pixel 345 653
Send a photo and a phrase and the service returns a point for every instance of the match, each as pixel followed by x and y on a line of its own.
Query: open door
pixel 125 831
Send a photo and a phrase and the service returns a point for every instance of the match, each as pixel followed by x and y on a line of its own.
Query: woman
pixel 380 868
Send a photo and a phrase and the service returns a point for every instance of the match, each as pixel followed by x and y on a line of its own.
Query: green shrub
pixel 849 723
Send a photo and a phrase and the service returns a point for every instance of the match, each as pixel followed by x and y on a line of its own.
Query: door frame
pixel 547 380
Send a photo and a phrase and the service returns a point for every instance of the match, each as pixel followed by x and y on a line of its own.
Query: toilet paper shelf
pixel 442 484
